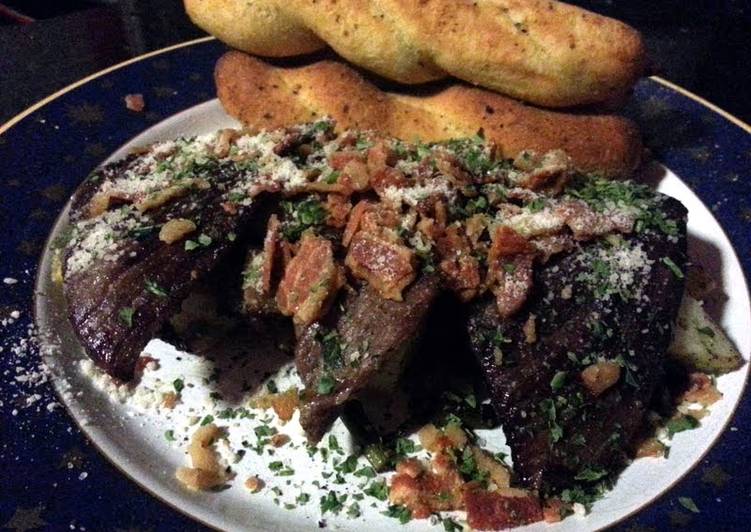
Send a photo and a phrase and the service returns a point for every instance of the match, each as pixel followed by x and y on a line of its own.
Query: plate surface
pixel 51 149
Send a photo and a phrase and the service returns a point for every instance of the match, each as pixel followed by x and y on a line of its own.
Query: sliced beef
pixel 117 304
pixel 598 309
pixel 359 350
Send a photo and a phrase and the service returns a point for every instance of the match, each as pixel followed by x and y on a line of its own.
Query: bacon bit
pixel 507 242
pixel 270 249
pixel 387 266
pixel 550 245
pixel 650 448
pixel 600 376
pixel 530 329
pixel 380 156
pixel 456 435
pixel 144 361
pixel 223 141
pixel 553 510
pixel 279 440
pixel 439 489
pixel 169 400
pixel 134 102
pixel 339 159
pixel 102 201
pixel 264 186
pixel 198 479
pixel 206 471
pixel 338 207
pixel 475 226
pixel 497 510
pixel 291 140
pixel 702 390
pixel 552 167
pixel 385 178
pixel 429 228
pixel 498 473
pixel 355 176
pixel 585 223
pixel 159 198
pixel 411 467
pixel 512 286
pixel 449 166
pixel 441 216
pixel 254 484
pixel 436 440
pixel 175 230
pixel 229 207
pixel 353 224
pixel 310 281
pixel 461 270
pixel 284 404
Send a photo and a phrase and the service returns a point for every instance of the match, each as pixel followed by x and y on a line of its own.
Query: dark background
pixel 702 45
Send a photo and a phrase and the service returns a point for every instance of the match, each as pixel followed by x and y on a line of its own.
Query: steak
pixel 605 302
pixel 359 349
pixel 136 281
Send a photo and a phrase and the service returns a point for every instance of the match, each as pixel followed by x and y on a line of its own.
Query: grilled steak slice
pixel 571 375
pixel 122 282
pixel 359 349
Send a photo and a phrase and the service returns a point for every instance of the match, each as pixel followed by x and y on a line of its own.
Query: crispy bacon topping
pixel 502 509
pixel 513 282
pixel 388 266
pixel 427 491
pixel 459 267
pixel 310 281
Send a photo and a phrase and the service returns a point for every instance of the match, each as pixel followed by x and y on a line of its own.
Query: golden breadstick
pixel 262 96
pixel 541 51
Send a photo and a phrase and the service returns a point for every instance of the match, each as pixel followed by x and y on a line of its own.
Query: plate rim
pixel 670 85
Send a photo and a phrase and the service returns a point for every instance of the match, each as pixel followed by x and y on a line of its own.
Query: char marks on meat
pixel 571 375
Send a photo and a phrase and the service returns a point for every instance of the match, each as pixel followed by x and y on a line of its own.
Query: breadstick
pixel 541 51
pixel 266 97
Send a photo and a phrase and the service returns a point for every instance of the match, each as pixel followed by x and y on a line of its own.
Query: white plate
pixel 134 441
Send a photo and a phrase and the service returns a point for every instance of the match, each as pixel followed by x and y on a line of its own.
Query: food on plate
pixel 574 396
pixel 262 96
pixel 377 250
pixel 700 343
pixel 545 52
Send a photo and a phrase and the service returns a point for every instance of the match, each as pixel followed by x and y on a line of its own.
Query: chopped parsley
pixel 126 316
pixel 354 510
pixel 402 513
pixel 547 407
pixel 590 474
pixel 300 216
pixel 331 503
pixel 331 349
pixel 332 177
pixel 155 289
pixel 326 385
pixel 207 419
pixel 405 446
pixel 169 435
pixel 667 261
pixel 680 424
pixel 178 385
pixel 689 504
pixel 558 380
pixel 377 489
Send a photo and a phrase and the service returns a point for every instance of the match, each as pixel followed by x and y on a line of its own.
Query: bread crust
pixel 262 96
pixel 545 52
